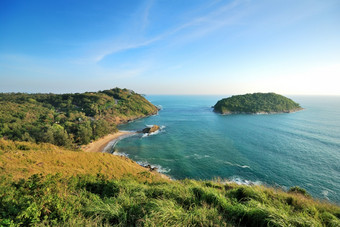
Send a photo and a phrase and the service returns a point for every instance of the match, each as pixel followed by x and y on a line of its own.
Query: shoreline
pixel 100 144
pixel 260 112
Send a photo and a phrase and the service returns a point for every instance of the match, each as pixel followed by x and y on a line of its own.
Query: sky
pixel 171 46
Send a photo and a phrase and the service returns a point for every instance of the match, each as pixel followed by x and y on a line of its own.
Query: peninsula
pixel 69 120
pixel 256 103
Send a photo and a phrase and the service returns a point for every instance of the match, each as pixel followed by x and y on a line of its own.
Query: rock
pixel 152 129
pixel 150 168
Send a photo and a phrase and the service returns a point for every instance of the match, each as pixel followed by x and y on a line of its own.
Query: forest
pixel 69 120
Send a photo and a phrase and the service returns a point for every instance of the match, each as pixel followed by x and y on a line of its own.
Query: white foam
pixel 241 181
pixel 120 154
pixel 160 169
pixel 161 129
pixel 325 194
pixel 111 145
pixel 197 156
pixel 237 165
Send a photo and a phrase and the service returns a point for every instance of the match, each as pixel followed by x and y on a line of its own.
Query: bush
pixel 298 190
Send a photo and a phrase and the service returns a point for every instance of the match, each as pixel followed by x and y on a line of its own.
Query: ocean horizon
pixel 278 150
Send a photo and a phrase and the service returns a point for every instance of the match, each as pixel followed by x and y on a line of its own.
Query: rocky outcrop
pixel 152 129
pixel 150 168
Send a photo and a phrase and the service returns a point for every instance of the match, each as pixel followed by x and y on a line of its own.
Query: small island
pixel 256 103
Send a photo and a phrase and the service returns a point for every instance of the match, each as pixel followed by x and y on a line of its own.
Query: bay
pixel 281 150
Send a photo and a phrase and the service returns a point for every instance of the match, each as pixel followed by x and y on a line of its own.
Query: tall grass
pixel 95 200
pixel 23 159
pixel 105 190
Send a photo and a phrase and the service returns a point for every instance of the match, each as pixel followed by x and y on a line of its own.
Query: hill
pixel 256 103
pixel 45 185
pixel 23 159
pixel 69 120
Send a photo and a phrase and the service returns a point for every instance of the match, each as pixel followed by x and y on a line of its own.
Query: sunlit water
pixel 282 150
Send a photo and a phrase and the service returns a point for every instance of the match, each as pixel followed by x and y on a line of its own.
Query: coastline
pixel 100 144
pixel 260 112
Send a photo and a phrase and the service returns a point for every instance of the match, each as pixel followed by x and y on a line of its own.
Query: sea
pixel 277 150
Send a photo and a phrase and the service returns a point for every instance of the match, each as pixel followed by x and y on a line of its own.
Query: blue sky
pixel 171 47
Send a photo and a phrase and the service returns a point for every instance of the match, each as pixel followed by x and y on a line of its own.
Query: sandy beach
pixel 100 144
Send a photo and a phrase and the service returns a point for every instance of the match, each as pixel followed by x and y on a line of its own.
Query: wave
pixel 116 152
pixel 237 165
pixel 161 129
pixel 160 169
pixel 197 156
pixel 241 181
pixel 325 194
pixel 111 145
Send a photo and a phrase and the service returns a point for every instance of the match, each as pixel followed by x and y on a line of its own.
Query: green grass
pixel 45 185
pixel 98 201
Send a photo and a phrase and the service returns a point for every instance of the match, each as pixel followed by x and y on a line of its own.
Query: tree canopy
pixel 69 119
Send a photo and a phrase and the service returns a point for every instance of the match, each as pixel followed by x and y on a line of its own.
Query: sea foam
pixel 160 169
pixel 240 181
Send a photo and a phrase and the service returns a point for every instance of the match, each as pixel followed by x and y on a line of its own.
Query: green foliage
pixel 298 190
pixel 96 201
pixel 68 119
pixel 256 103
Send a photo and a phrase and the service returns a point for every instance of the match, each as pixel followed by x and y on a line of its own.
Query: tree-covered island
pixel 256 103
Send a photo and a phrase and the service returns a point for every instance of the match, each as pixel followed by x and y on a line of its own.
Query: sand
pixel 100 144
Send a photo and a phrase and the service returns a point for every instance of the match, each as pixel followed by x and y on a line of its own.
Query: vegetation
pixel 23 159
pixel 46 185
pixel 82 195
pixel 68 119
pixel 256 103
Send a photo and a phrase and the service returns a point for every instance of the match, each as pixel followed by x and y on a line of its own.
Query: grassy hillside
pixel 23 159
pixel 95 189
pixel 68 119
pixel 256 103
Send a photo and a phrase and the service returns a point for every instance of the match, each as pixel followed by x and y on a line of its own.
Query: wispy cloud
pixel 123 46
pixel 201 24
pixel 146 13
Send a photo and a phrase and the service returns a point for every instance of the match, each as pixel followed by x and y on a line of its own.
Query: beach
pixel 100 144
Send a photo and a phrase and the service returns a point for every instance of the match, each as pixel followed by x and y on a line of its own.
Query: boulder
pixel 150 168
pixel 152 129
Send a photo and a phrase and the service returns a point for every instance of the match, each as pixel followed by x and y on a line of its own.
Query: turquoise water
pixel 282 150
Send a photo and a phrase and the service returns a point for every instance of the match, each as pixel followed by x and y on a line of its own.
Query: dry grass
pixel 22 159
